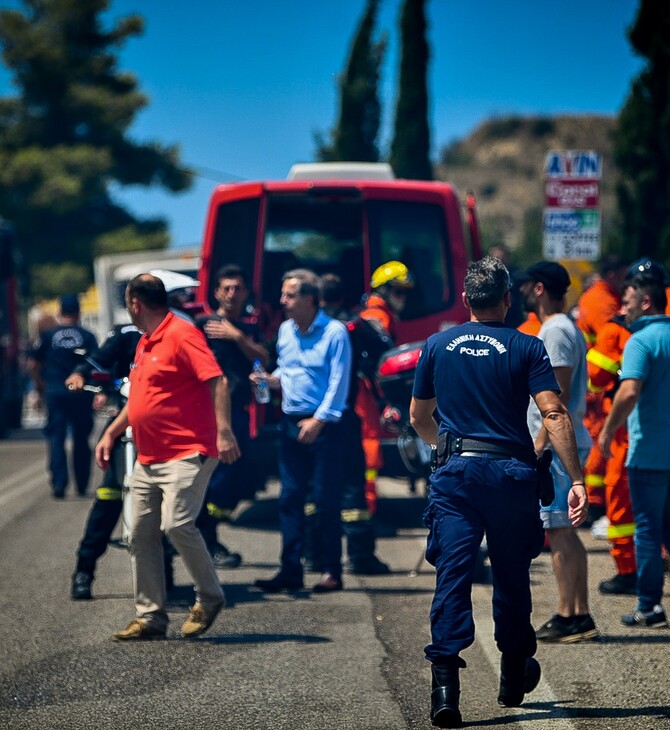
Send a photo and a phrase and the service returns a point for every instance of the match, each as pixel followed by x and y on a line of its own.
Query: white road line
pixel 542 694
pixel 12 486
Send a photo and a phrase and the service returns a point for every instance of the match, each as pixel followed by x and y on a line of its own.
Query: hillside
pixel 502 162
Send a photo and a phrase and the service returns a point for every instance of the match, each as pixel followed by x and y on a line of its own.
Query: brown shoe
pixel 199 620
pixel 138 631
pixel 327 584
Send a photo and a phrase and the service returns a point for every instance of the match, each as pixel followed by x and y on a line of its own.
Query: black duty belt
pixel 448 445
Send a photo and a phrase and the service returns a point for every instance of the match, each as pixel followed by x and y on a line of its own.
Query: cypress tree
pixel 355 136
pixel 410 149
pixel 642 139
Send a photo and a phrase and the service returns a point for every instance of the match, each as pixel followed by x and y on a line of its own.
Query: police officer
pixel 51 362
pixel 477 378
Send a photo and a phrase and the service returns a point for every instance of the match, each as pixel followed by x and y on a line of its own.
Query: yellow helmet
pixel 392 272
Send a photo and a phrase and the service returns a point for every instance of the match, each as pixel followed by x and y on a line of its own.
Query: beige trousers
pixel 168 497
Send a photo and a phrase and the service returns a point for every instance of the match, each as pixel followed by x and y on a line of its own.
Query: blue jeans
pixel 317 466
pixel 650 495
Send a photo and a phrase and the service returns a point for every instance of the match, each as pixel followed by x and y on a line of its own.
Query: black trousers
pixel 356 520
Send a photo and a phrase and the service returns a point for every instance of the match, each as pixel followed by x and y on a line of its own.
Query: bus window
pixel 414 233
pixel 234 240
pixel 323 234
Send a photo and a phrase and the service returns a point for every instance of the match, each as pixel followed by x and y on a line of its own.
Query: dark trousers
pixel 104 513
pixel 318 466
pixel 356 519
pixel 471 496
pixel 229 483
pixel 73 410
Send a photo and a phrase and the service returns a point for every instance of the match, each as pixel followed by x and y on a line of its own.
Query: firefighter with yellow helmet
pixel 390 284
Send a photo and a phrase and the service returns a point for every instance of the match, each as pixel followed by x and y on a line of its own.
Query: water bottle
pixel 261 390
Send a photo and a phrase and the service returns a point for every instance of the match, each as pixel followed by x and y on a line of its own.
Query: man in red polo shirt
pixel 179 410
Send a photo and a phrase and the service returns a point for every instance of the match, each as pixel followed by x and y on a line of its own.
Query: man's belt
pixel 448 445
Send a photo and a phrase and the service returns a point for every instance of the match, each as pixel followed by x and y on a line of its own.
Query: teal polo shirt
pixel 646 357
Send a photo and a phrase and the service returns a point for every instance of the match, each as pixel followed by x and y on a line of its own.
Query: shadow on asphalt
pixel 393 514
pixel 265 639
pixel 562 711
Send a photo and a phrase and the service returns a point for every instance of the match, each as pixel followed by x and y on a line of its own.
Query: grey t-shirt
pixel 566 347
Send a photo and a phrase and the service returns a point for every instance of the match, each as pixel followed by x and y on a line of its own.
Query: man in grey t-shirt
pixel 544 293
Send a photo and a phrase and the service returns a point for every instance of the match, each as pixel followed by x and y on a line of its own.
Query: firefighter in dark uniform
pixel 471 392
pixel 356 519
pixel 116 355
pixel 51 361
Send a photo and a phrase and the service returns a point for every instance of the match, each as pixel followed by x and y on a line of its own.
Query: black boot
pixel 81 586
pixel 446 692
pixel 518 676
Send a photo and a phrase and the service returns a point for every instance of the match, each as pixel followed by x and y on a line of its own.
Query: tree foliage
pixel 64 139
pixel 410 149
pixel 355 136
pixel 642 139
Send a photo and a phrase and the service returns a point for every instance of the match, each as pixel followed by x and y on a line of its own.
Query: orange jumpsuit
pixel 367 407
pixel 597 306
pixel 604 364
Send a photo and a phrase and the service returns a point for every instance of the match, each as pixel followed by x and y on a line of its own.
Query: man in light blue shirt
pixel 644 399
pixel 313 371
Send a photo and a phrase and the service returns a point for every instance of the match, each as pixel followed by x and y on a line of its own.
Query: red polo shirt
pixel 170 404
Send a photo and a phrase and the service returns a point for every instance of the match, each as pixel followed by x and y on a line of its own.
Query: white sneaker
pixel 599 528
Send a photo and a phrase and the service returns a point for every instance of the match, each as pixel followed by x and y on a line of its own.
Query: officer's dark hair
pixel 309 283
pixel 150 290
pixel 486 283
pixel 652 287
pixel 231 271
pixel 331 289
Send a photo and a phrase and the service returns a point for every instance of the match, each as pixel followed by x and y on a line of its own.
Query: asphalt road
pixel 348 660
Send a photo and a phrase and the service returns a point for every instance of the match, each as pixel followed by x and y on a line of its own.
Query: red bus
pixel 345 226
pixel 348 219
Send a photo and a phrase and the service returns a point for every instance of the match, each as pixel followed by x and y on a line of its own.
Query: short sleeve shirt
pixel 482 374
pixel 566 347
pixel 170 405
pixel 646 357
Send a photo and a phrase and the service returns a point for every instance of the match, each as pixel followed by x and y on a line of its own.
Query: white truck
pixel 113 272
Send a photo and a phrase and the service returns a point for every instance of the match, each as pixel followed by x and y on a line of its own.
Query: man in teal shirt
pixel 644 399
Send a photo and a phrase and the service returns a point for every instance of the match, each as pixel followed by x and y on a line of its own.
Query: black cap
pixel 554 276
pixel 69 304
pixel 650 269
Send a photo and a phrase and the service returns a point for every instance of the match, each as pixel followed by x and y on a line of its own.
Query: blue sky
pixel 241 87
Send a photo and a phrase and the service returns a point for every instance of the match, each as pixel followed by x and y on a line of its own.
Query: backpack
pixel 369 343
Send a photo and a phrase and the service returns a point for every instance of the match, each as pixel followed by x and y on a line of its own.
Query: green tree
pixel 64 142
pixel 642 139
pixel 355 136
pixel 410 149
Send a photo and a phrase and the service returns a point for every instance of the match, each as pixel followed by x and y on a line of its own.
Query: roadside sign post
pixel 571 220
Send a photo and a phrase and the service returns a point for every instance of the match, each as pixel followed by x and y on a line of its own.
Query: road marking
pixel 19 479
pixel 536 718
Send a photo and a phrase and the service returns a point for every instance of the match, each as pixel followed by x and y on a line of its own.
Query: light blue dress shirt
pixel 314 368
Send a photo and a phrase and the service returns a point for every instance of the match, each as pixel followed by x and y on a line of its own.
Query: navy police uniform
pixel 56 352
pixel 482 375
